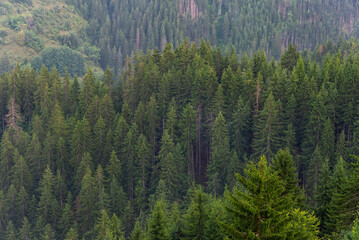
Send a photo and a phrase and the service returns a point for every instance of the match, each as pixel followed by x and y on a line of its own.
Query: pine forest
pixel 179 120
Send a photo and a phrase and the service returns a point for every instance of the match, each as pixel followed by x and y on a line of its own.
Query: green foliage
pixel 33 41
pixel 354 234
pixel 157 224
pixel 260 208
pixel 62 58
pixel 176 119
pixel 15 22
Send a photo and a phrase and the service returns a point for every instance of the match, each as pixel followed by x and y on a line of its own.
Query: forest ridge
pixel 104 32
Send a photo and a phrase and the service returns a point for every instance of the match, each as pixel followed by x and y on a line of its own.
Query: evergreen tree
pixel 88 91
pixel 10 231
pixel 137 233
pixel 88 205
pixel 256 211
pixel 220 154
pixel 48 233
pixel 47 207
pixel 187 125
pixel 100 193
pixel 323 197
pixel 25 231
pixel 196 216
pixel 266 129
pixel 283 164
pixel 66 220
pixel 71 234
pixel 157 224
pixel 7 159
pixel 167 165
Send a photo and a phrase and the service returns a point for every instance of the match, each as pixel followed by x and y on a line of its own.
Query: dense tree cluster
pixel 119 28
pixel 185 145
pixel 62 58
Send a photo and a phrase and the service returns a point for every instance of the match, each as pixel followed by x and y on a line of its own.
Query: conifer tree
pixel 196 216
pixel 327 141
pixel 88 91
pixel 33 156
pixel 314 169
pixel 117 197
pixel 187 125
pixel 100 139
pixel 102 225
pixel 220 154
pixel 21 176
pixel 101 195
pixel 283 164
pixel 266 129
pixel 157 224
pixel 323 196
pixel 3 213
pixel 107 110
pixel 240 128
pixel 153 123
pixel 10 231
pixel 7 159
pixel 167 165
pixel 256 211
pixel 88 205
pixel 13 118
pixel 171 121
pixel 129 158
pixel 25 231
pixel 48 233
pixel 47 207
pixel 81 141
pixel 137 233
pixel 114 168
pixel 66 220
pixel 71 234
pixel 22 203
pixel 213 229
pixel 342 209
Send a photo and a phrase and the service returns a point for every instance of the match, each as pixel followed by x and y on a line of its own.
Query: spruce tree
pixel 157 223
pixel 187 125
pixel 168 171
pixel 283 164
pixel 88 205
pixel 25 232
pixel 220 154
pixel 267 128
pixel 10 233
pixel 137 233
pixel 323 196
pixel 71 235
pixel 194 220
pixel 7 159
pixel 257 207
pixel 47 207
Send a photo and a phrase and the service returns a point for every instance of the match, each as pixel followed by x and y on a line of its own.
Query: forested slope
pixel 106 31
pixel 73 153
pixel 119 28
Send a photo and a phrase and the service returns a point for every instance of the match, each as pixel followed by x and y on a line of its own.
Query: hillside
pixel 28 27
pixel 119 28
pixel 105 31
